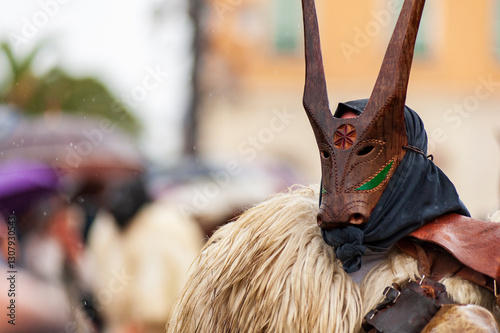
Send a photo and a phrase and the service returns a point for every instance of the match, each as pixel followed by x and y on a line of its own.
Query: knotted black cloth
pixel 417 193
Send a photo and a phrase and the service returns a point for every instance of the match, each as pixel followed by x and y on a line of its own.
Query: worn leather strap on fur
pixel 408 310
pixel 457 245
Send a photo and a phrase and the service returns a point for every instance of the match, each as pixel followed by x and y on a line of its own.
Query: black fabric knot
pixel 348 244
pixel 350 255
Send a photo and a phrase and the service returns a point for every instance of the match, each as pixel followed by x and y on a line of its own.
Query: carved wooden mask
pixel 359 155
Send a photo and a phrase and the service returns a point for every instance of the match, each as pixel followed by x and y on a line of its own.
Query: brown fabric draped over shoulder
pixel 467 247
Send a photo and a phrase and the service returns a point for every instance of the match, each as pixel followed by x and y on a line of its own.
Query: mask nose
pixel 328 219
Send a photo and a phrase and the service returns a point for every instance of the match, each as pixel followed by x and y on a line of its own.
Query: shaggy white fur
pixel 270 271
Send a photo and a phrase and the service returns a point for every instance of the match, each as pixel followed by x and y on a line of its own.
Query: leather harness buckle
pixel 496 292
pixel 391 294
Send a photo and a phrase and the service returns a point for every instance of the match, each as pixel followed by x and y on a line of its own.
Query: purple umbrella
pixel 85 149
pixel 23 183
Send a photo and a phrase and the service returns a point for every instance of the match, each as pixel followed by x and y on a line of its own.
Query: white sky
pixel 117 41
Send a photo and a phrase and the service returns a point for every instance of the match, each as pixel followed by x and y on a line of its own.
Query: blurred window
pixel 287 22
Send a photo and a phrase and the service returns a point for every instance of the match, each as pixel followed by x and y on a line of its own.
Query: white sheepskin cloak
pixel 271 271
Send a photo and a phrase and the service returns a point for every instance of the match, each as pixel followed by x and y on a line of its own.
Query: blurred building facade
pixel 262 40
pixel 254 74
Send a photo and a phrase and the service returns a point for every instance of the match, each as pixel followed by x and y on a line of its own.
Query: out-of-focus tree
pixel 197 12
pixel 57 91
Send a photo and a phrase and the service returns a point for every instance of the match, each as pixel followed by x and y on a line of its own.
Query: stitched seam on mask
pixel 371 159
pixel 337 186
pixel 349 159
pixel 373 176
pixel 356 164
pixel 308 111
pixel 389 100
pixel 351 156
pixel 348 162
pixel 327 211
pixel 342 182
pixel 318 123
pixel 323 146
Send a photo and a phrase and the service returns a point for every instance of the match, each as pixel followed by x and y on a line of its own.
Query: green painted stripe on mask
pixel 370 185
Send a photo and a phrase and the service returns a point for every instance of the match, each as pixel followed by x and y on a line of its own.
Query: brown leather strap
pixel 407 310
pixel 436 263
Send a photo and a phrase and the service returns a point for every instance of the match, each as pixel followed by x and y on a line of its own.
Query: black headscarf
pixel 417 193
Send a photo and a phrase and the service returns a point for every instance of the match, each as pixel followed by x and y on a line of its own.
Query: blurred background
pixel 130 130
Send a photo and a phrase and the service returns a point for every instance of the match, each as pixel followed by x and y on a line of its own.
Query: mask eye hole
pixel 325 154
pixel 365 150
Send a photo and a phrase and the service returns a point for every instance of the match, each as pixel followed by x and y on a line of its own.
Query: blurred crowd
pixel 97 239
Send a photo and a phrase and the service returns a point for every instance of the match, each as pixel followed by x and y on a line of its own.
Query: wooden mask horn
pixel 359 155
